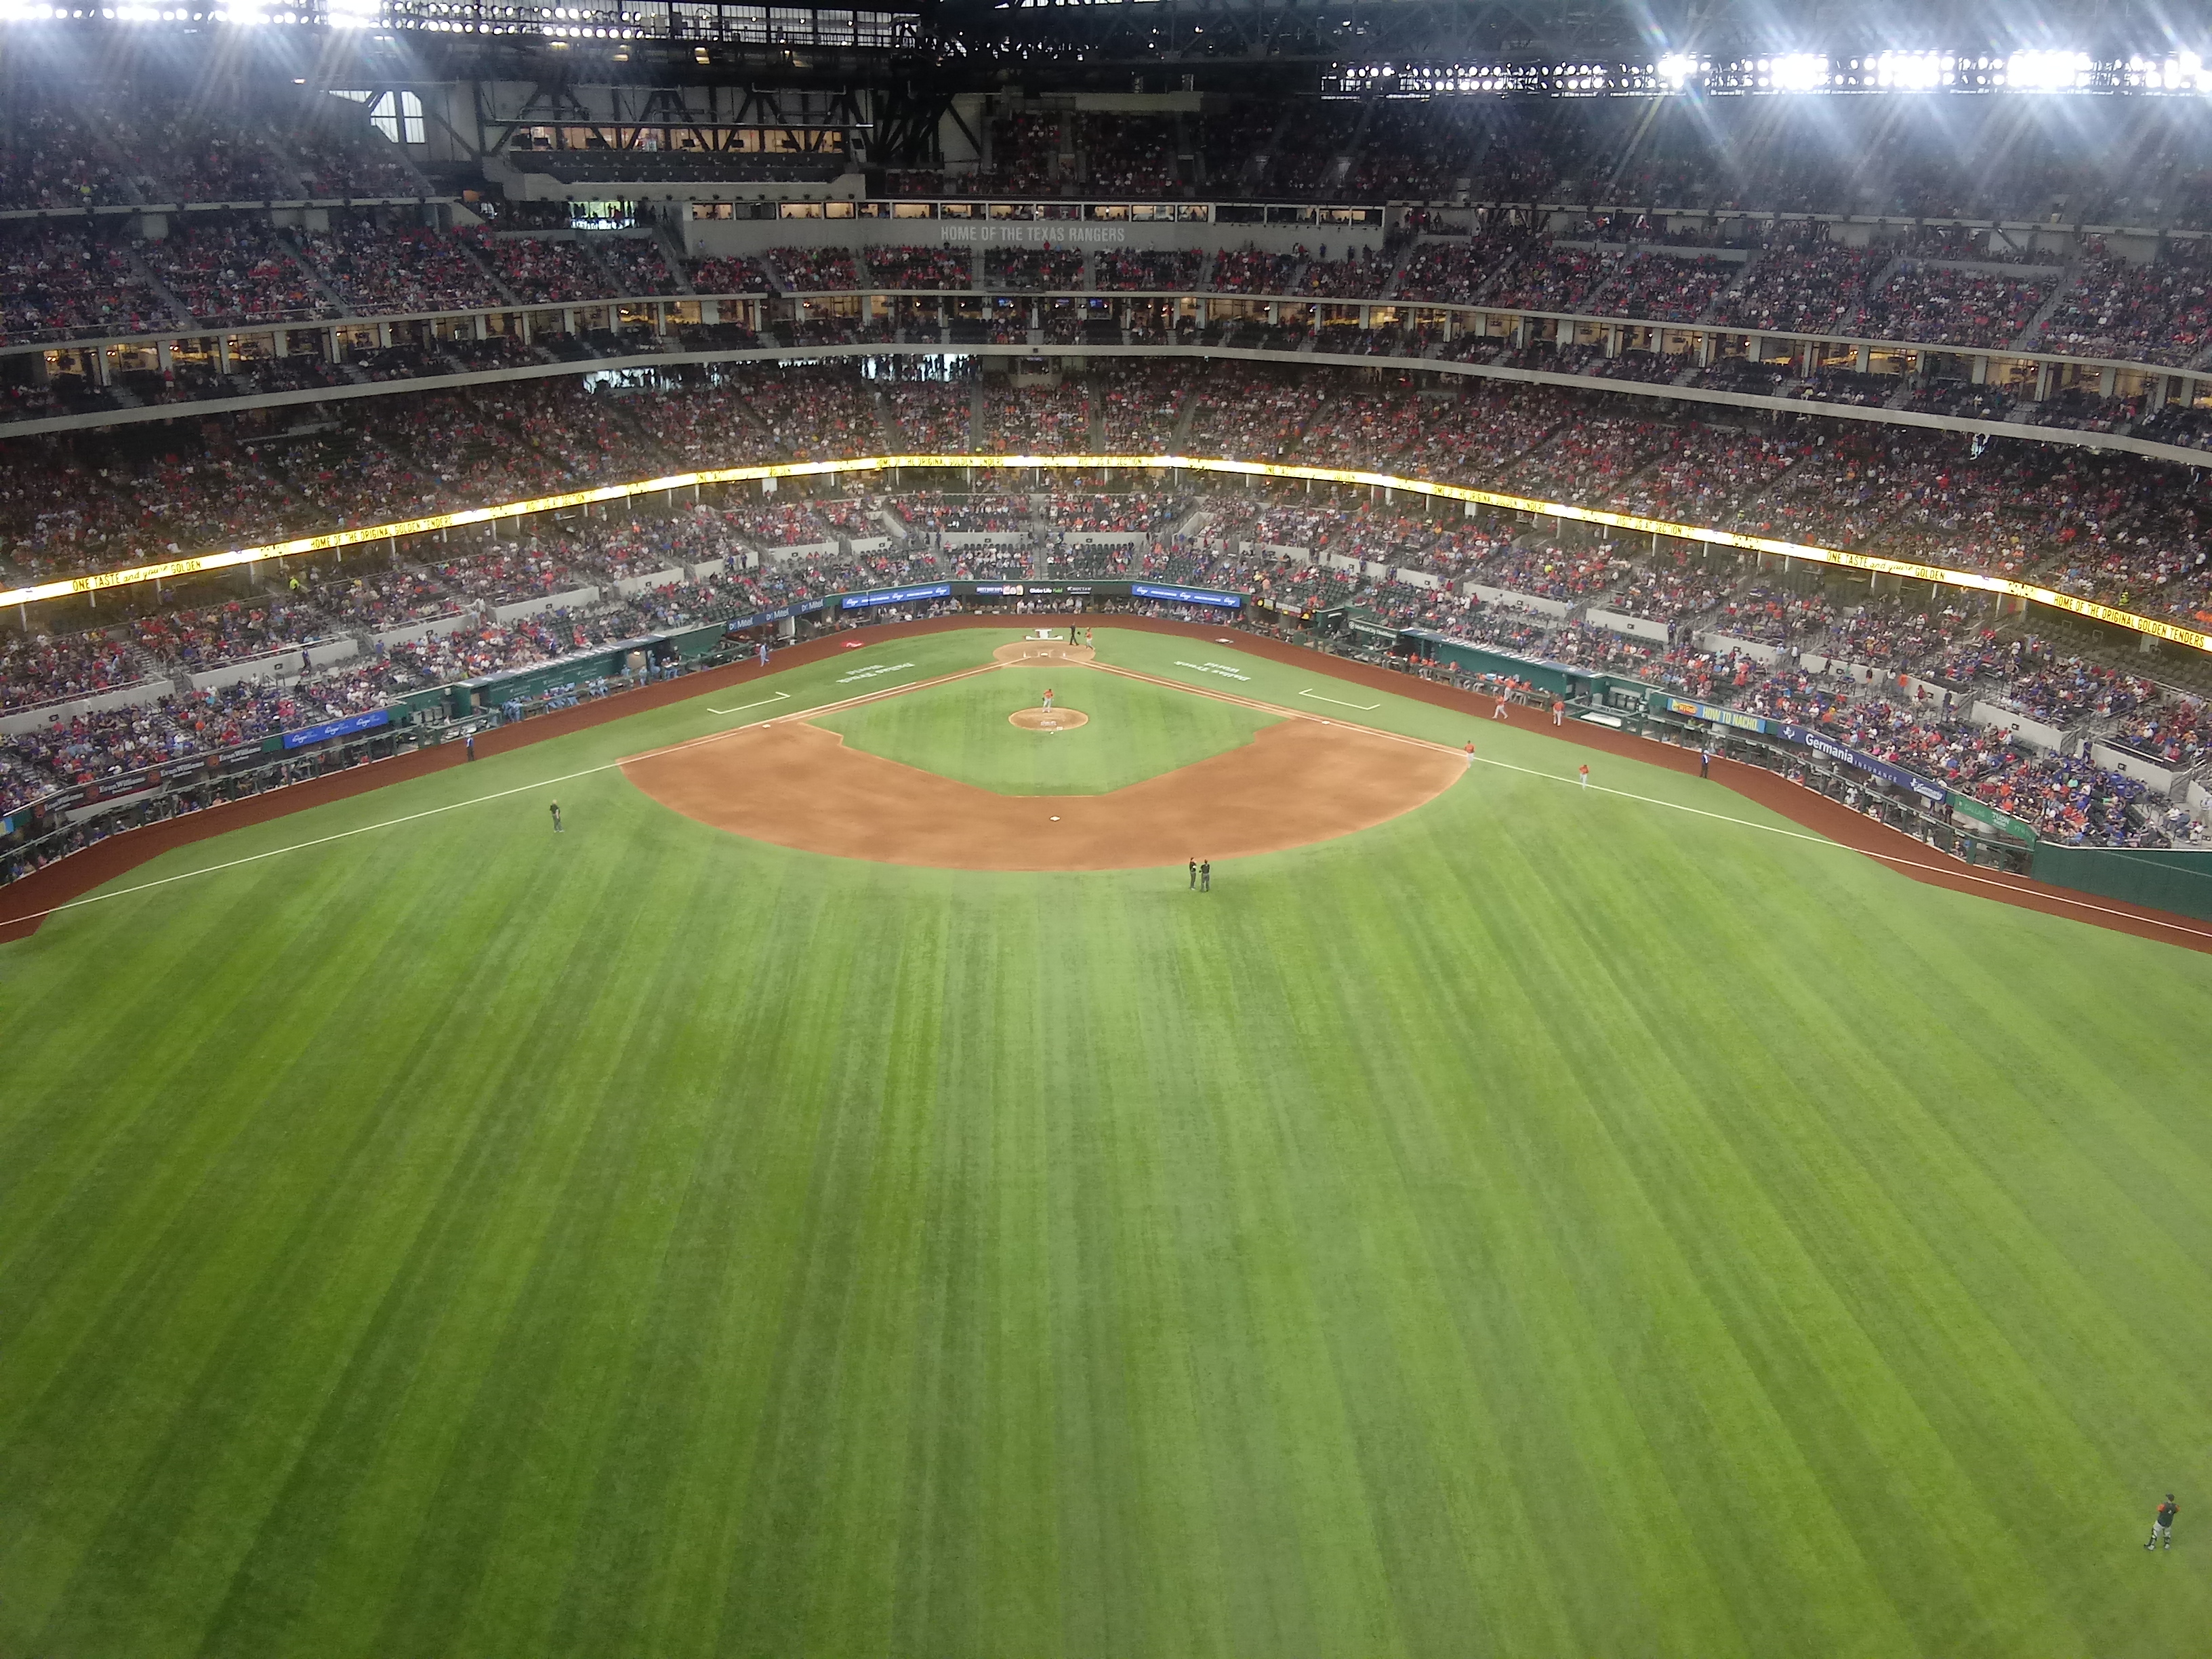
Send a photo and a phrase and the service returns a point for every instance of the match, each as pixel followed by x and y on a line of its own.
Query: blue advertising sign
pixel 761 618
pixel 1187 596
pixel 350 724
pixel 1934 793
pixel 895 596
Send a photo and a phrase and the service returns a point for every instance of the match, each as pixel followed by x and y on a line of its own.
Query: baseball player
pixel 2161 1523
pixel 1470 754
pixel 1585 775
pixel 1498 709
pixel 557 817
pixel 1048 700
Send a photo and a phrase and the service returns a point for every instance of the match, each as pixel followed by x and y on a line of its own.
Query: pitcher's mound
pixel 1049 720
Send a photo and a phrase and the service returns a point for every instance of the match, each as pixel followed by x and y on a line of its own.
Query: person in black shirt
pixel 1193 875
pixel 1205 875
pixel 2161 1524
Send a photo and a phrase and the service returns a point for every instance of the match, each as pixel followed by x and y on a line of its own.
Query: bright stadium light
pixel 2184 72
pixel 1800 71
pixel 1676 70
pixel 1910 71
pixel 2046 71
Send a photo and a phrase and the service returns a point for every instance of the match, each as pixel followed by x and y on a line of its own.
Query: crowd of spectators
pixel 812 269
pixel 2117 528
pixel 636 265
pixel 2162 312
pixel 1952 305
pixel 59 281
pixel 1807 289
pixel 1663 287
pixel 728 276
pixel 1177 269
pixel 235 268
pixel 1251 271
pixel 538 271
pixel 1546 277
pixel 374 264
pixel 1033 269
pixel 231 269
pixel 920 267
pixel 929 418
pixel 1408 567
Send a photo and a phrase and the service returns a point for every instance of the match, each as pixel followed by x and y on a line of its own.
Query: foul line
pixel 781 696
pixel 478 800
pixel 1950 872
pixel 1363 707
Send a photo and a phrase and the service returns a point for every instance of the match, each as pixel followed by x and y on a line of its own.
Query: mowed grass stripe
pixel 1538 1225
pixel 169 1261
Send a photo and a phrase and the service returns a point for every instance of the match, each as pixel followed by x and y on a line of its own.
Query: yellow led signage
pixel 342 538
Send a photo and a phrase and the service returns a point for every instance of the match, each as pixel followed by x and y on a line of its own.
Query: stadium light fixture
pixel 1911 71
pixel 1799 71
pixel 1676 70
pixel 2045 71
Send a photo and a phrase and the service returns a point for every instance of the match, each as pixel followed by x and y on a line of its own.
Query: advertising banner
pixel 1935 793
pixel 350 724
pixel 1981 813
pixel 1187 596
pixel 762 618
pixel 894 596
pixel 1719 716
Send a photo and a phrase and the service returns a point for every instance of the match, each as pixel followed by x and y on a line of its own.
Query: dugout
pixel 1558 679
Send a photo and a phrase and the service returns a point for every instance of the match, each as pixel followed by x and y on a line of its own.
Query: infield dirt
pixel 796 785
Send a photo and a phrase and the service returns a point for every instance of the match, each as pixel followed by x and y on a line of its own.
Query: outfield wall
pixel 2160 878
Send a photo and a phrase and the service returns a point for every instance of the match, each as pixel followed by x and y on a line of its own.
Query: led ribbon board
pixel 1874 565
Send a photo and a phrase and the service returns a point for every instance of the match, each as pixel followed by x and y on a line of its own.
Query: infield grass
pixel 961 730
pixel 1547 1224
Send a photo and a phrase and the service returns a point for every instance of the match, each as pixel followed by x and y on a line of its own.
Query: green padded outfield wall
pixel 2165 880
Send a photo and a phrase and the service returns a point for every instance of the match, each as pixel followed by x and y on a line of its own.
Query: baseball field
pixel 846 1193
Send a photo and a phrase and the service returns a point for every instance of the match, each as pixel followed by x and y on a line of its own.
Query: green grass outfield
pixel 1548 1224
